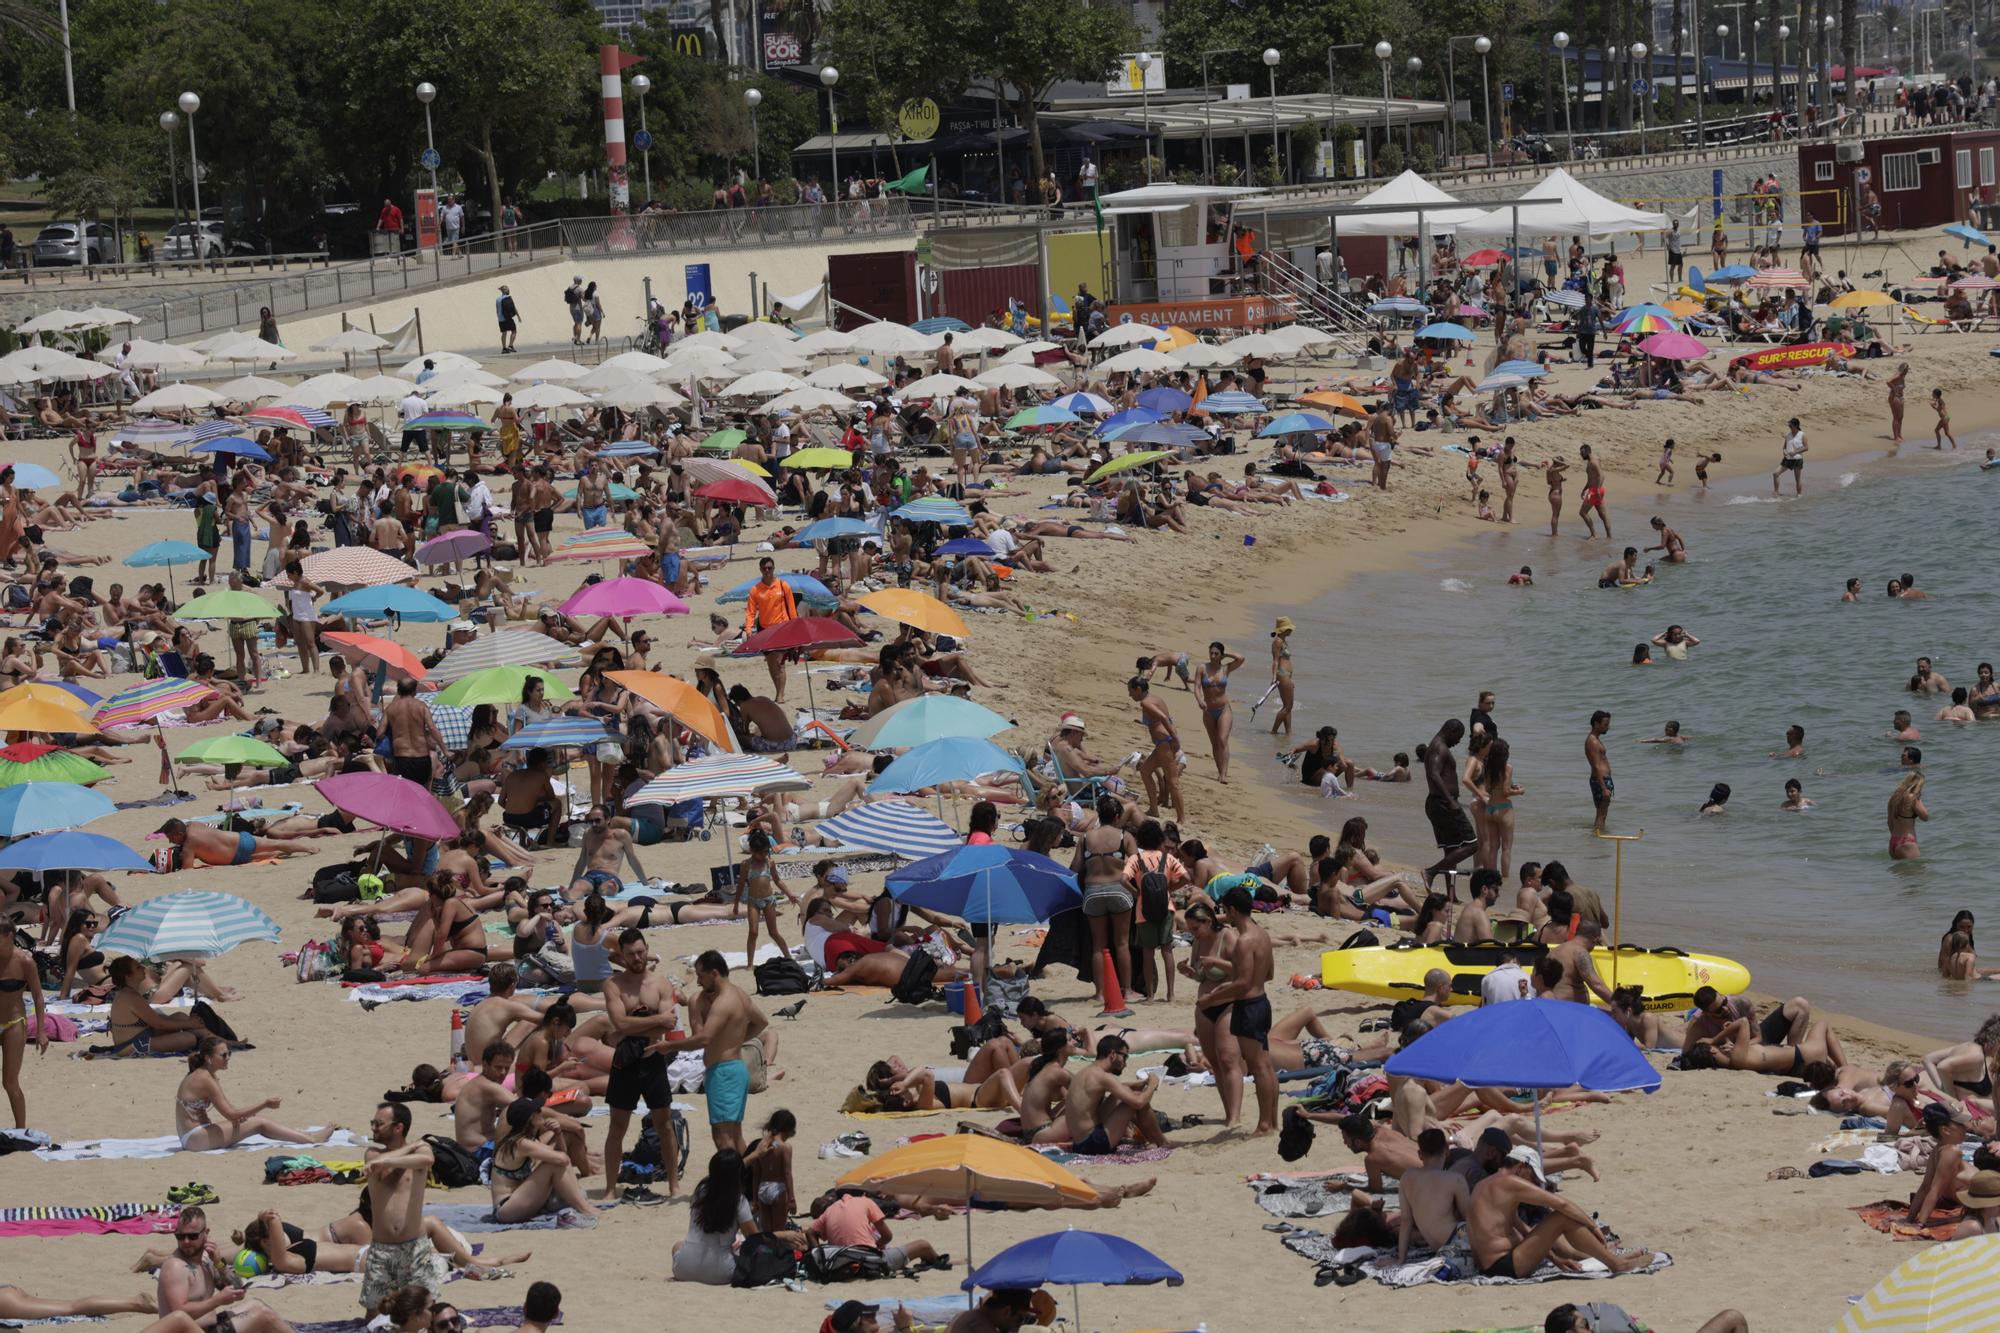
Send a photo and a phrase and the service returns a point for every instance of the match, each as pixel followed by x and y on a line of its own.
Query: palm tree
pixel 33 19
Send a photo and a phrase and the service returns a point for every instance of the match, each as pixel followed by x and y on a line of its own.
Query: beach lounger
pixel 1924 324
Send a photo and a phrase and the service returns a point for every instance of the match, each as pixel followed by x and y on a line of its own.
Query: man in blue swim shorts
pixel 202 844
pixel 724 1021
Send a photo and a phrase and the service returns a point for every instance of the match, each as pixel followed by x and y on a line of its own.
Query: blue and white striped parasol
pixel 718 775
pixel 557 731
pixel 892 826
pixel 190 924
pixel 454 724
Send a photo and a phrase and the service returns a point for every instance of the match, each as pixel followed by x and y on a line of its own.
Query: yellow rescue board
pixel 1668 976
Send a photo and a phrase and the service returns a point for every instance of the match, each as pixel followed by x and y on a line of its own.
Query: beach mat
pixel 1128 1154
pixel 925 1310
pixel 1887 1217
pixel 499 1316
pixel 477 1218
pixel 1306 1196
pixel 167 1145
pixel 1453 1265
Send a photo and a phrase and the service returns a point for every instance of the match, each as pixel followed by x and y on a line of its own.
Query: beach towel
pixel 1307 1196
pixel 100 1212
pixel 1127 1154
pixel 59 1319
pixel 499 1316
pixel 923 1309
pixel 1454 1264
pixel 861 1105
pixel 117 1219
pixel 1887 1217
pixel 167 1145
pixel 476 1218
pixel 463 990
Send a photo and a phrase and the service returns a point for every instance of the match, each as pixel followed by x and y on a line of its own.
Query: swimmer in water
pixel 1621 571
pixel 1642 654
pixel 1795 796
pixel 1670 542
pixel 1853 593
pixel 1795 743
pixel 1957 710
pixel 1927 681
pixel 1718 797
pixel 1676 641
pixel 1669 735
pixel 1524 579
pixel 1902 727
pixel 1906 807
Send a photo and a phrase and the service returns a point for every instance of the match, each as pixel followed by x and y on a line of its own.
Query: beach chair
pixel 1084 791
pixel 1924 324
pixel 173 664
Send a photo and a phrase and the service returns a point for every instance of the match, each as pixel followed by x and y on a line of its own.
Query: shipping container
pixel 881 282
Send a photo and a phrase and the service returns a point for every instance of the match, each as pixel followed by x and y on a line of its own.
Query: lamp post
pixel 427 93
pixel 191 103
pixel 829 76
pixel 1481 45
pixel 1750 85
pixel 1639 54
pixel 1207 144
pixel 1722 52
pixel 1332 95
pixel 752 98
pixel 1561 41
pixel 1144 60
pixel 170 121
pixel 1382 53
pixel 641 85
pixel 1415 65
pixel 1271 59
pixel 1778 80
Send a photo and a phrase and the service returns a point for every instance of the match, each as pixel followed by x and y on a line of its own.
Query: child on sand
pixel 1666 476
pixel 1701 468
pixel 1943 431
pixel 759 887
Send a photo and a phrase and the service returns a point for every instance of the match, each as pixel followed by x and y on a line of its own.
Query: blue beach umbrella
pixel 1168 433
pixel 70 850
pixel 37 807
pixel 1230 402
pixel 1732 273
pixel 950 759
pixel 941 324
pixel 392 600
pixel 988 883
pixel 1072 1259
pixel 1495 382
pixel 896 827
pixel 1970 235
pixel 967 546
pixel 33 476
pixel 191 924
pixel 71 687
pixel 926 718
pixel 933 509
pixel 1527 370
pixel 829 528
pixel 1165 399
pixel 1295 423
pixel 805 588
pixel 232 444
pixel 1398 305
pixel 1044 415
pixel 1456 333
pixel 559 731
pixel 1131 416
pixel 1085 404
pixel 165 553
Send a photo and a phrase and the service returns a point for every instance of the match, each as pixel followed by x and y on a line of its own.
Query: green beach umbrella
pixel 1125 462
pixel 501 686
pixel 913 183
pixel 235 750
pixel 228 604
pixel 616 491
pixel 722 441
pixel 34 762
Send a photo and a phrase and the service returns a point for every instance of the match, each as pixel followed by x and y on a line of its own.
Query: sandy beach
pixel 1684 1170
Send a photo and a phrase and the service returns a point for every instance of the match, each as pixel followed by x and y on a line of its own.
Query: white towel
pixel 92 1150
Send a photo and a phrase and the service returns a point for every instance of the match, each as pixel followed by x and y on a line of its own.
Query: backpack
pixel 1407 1012
pixel 845 1263
pixel 451 1166
pixel 338 883
pixel 764 1259
pixel 781 976
pixel 915 985
pixel 1003 995
pixel 1155 902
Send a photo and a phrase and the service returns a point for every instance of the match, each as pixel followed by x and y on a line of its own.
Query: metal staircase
pixel 1306 300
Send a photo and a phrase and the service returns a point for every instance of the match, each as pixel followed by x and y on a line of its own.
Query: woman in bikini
pixel 18 663
pixel 1108 901
pixel 758 889
pixel 1906 807
pixel 1211 683
pixel 138 1027
pixel 78 950
pixel 1209 966
pixel 1965 1070
pixel 1160 770
pixel 1281 673
pixel 446 935
pixel 1552 472
pixel 18 981
pixel 201 1092
pixel 1737 1047
pixel 1895 386
pixel 902 1089
pixel 1496 841
pixel 528 1174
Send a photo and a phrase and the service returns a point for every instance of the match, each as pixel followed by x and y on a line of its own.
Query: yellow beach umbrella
pixel 673 695
pixel 1861 300
pixel 1948 1288
pixel 40 715
pixel 1126 462
pixel 814 459
pixel 919 610
pixel 1345 404
pixel 1683 307
pixel 1176 337
pixel 47 694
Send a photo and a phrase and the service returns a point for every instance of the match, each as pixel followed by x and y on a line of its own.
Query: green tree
pixel 1025 47
pixel 709 124
pixel 890 52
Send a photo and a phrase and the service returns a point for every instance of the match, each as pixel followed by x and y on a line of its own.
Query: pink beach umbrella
pixel 1674 347
pixel 453 546
pixel 624 597
pixel 397 804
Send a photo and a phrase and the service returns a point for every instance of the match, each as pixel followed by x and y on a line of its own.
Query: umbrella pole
pixel 969 1265
pixel 1075 1308
pixel 173 778
pixel 1618 840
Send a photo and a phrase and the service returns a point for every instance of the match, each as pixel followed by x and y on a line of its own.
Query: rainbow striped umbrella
pixel 290 418
pixel 143 703
pixel 28 761
pixel 1646 318
pixel 602 544
pixel 718 775
pixel 446 421
pixel 555 732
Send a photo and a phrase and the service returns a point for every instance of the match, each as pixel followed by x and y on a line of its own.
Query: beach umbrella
pixel 1131 416
pixel 934 509
pixel 1646 323
pixel 446 421
pixel 384 652
pixel 1295 423
pixel 1229 403
pixel 1072 1258
pixel 820 460
pixel 233 444
pixel 624 597
pixel 1776 278
pixel 451 547
pixel 227 604
pixel 1484 258
pixel 37 807
pixel 1680 307
pixel 393 803
pixel 827 529
pixel 806 590
pixel 1126 462
pixel 951 759
pixel 717 776
pixel 510 647
pixel 355 567
pixel 918 610
pixel 33 476
pixel 247 348
pixel 501 686
pixel 1456 333
pixel 1946 1288
pixel 1977 282
pixel 143 703
pixel 738 490
pixel 69 687
pixel 987 884
pixel 1970 235
pixel 460 395
pixel 1164 399
pixel 352 340
pixel 845 376
pixel 1674 347
pixel 806 401
pixel 1128 335
pixel 1538 1045
pixel 1345 404
pixel 1860 300
pixel 176 398
pixel 1085 404
pixel 1730 273
pixel 555 732
pixel 421 473
pixel 762 384
pixel 386 600
pixel 32 761
pixel 1208 356
pixel 1496 382
pixel 799 634
pixel 681 701
pixel 1527 370
pixel 32 714
pixel 69 850
pixel 1644 308
pixel 192 924
pixel 1045 417
pixel 1171 433
pixel 967 546
pixel 1017 377
pixel 62 694
pixel 235 750
pixel 767 357
pixel 928 717
pixel 896 827
pixel 289 416
pixel 602 544
pixel 1398 305
pixel 167 553
pixel 1139 361
pixel 438 361
pixel 1563 296
pixel 250 388
pixel 377 390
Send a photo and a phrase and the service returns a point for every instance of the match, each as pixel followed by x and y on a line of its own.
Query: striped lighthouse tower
pixel 610 69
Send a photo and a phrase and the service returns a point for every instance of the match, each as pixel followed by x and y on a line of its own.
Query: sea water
pixel 1809 901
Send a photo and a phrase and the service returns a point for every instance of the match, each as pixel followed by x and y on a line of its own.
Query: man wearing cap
pixel 1075 761
pixel 1504 1248
pixel 1981 1198
pixel 854 1317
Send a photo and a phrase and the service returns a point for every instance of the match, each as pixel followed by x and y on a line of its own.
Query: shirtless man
pixel 475 1113
pixel 1504 1248
pixel 1580 977
pixel 597 859
pixel 1385 1151
pixel 413 735
pixel 400 1254
pixel 1598 758
pixel 1593 493
pixel 193 1281
pixel 1450 828
pixel 488 1021
pixel 1100 1106
pixel 1473 925
pixel 1623 570
pixel 1671 544
pixel 205 845
pixel 1249 1007
pixel 1044 1088
pixel 528 798
pixel 1927 681
pixel 723 1020
pixel 387 534
pixel 1067 745
pixel 640 1006
pixel 1435 1201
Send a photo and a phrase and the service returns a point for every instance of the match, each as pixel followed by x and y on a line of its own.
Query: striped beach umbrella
pixel 28 761
pixel 602 544
pixel 1777 277
pixel 1641 321
pixel 892 826
pixel 446 421
pixel 1086 404
pixel 718 775
pixel 190 924
pixel 1230 402
pixel 510 647
pixel 1563 296
pixel 143 703
pixel 933 509
pixel 454 723
pixel 355 567
pixel 1041 418
pixel 290 418
pixel 501 686
pixel 551 733
pixel 1946 1289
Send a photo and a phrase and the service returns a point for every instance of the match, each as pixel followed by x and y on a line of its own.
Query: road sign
pixel 430 159
pixel 1863 175
pixel 1641 87
pixel 642 141
pixel 1507 91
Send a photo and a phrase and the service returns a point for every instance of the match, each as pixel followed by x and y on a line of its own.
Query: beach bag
pixel 1605 1317
pixel 752 1055
pixel 319 960
pixel 1003 995
pixel 764 1259
pixel 915 985
pixel 966 1039
pixel 646 1152
pixel 451 1166
pixel 59 1027
pixel 781 976
pixel 213 1021
pixel 338 884
pixel 1360 939
pixel 845 1263
pixel 1406 1012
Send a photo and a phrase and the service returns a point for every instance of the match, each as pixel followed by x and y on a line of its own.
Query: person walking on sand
pixel 1250 1008
pixel 1450 828
pixel 1160 770
pixel 1896 383
pixel 723 1022
pixel 1509 468
pixel 1599 759
pixel 1906 807
pixel 1943 431
pixel 1553 472
pixel 1593 493
pixel 1281 674
pixel 1793 460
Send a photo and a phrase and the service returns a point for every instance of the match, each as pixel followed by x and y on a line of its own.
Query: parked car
pixel 180 241
pixel 57 244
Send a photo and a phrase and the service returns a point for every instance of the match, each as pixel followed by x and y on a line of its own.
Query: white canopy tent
pixel 1564 207
pixel 1407 189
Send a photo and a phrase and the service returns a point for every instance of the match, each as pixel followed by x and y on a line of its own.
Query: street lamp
pixel 1271 59
pixel 1778 79
pixel 1722 52
pixel 191 103
pixel 1484 45
pixel 1415 65
pixel 1144 61
pixel 1826 65
pixel 1750 85
pixel 427 93
pixel 1561 41
pixel 1382 53
pixel 1481 45
pixel 829 76
pixel 170 121
pixel 1639 54
pixel 640 86
pixel 752 98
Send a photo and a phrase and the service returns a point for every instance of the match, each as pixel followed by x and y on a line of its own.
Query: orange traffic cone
pixel 973 1012
pixel 1114 996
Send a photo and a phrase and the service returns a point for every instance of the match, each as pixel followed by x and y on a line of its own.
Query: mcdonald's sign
pixel 688 42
